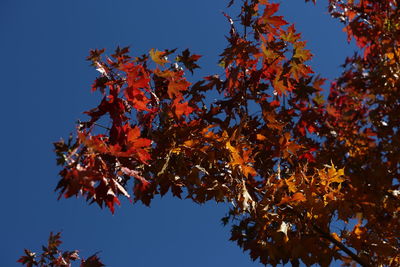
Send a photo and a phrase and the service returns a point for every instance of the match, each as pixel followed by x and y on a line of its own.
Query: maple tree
pixel 293 159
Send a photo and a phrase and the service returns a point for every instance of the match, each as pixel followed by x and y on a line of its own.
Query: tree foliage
pixel 51 256
pixel 313 176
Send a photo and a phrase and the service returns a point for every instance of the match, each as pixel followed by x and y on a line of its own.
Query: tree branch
pixel 337 243
pixel 340 245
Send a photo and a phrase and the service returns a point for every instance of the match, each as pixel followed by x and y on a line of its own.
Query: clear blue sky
pixel 45 87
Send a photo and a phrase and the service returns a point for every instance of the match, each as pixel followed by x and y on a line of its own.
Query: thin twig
pixel 101 126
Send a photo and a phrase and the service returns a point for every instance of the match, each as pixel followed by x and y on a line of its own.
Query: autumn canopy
pixel 293 153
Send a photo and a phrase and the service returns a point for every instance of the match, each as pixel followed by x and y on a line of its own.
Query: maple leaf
pixel 300 70
pixel 318 82
pixel 54 241
pixel 290 35
pixel 272 121
pixel 291 184
pixel 242 162
pixel 28 258
pixel 331 110
pixel 269 53
pixel 335 176
pixel 95 143
pixel 137 76
pixel 268 19
pixel 176 86
pixel 236 158
pixel 138 80
pixel 95 55
pixel 294 199
pixel 133 137
pixel 92 261
pixel 176 82
pixel 182 108
pixel 158 57
pixel 138 98
pixel 301 53
pixel 279 86
pixel 138 145
pixel 111 200
pixel 188 60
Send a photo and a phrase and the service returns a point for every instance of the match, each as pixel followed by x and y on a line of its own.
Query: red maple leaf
pixel 182 108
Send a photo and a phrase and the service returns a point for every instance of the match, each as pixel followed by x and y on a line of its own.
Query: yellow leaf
pixel 158 57
pixel 335 176
pixel 358 231
pixel 291 184
pixel 336 237
pixel 279 86
pixel 268 53
pixel 176 150
pixel 328 197
pixel 390 55
pixel 189 143
pixel 300 52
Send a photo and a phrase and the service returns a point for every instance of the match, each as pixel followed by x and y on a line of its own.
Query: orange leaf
pixel 279 86
pixel 261 137
pixel 177 82
pixel 298 197
pixel 182 108
pixel 176 86
pixel 300 70
pixel 138 145
pixel 236 158
pixel 290 35
pixel 300 52
pixel 133 134
pixel 138 98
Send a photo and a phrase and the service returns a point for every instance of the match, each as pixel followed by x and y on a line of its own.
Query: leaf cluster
pixel 311 178
pixel 52 256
